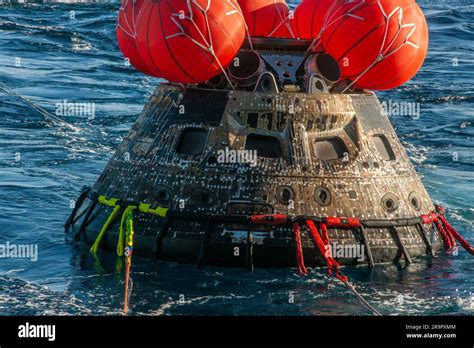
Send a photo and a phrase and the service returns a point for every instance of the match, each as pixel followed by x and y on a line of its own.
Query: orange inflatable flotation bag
pixel 126 31
pixel 267 18
pixel 189 41
pixel 380 45
pixel 309 17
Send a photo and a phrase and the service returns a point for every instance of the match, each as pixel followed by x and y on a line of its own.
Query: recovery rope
pixel 49 117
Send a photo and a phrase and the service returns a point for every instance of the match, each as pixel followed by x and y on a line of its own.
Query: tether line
pixel 49 117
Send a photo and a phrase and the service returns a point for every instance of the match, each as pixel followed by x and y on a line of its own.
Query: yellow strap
pixel 112 202
pixel 146 208
pixel 130 233
pixel 143 207
pixel 121 239
pixel 95 246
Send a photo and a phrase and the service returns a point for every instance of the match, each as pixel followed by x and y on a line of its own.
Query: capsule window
pixel 383 147
pixel 192 141
pixel 252 119
pixel 330 149
pixel 266 146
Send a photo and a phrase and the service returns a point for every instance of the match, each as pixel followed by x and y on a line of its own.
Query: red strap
pixel 428 218
pixel 317 238
pixel 299 250
pixel 270 219
pixel 324 235
pixel 449 235
pixel 343 222
pixel 325 250
pixel 446 239
pixel 440 209
pixel 452 241
pixel 450 229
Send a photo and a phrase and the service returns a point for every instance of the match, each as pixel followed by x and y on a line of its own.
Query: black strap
pixel 160 235
pixel 370 258
pixel 205 244
pixel 400 244
pixel 421 230
pixel 85 221
pixel 249 253
pixel 80 200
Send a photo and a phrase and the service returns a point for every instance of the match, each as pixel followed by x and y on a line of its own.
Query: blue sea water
pixel 43 167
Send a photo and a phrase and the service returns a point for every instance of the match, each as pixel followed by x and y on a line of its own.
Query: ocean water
pixel 49 57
